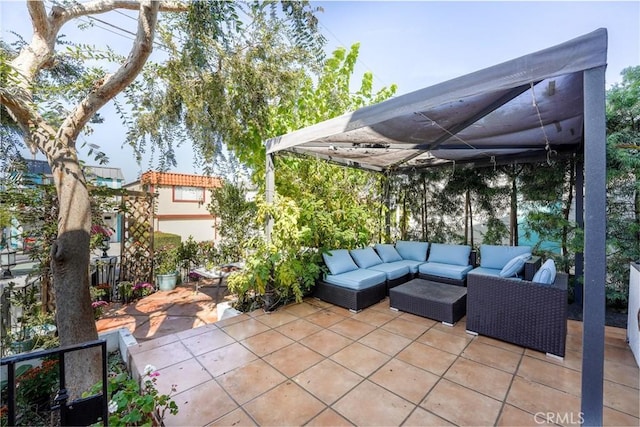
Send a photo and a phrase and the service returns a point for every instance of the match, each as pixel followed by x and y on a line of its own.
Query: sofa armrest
pixel 531 267
pixel 473 258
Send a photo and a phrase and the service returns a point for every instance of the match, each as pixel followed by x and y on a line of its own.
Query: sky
pixel 412 44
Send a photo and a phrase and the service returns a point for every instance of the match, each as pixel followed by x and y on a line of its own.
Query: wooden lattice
pixel 137 237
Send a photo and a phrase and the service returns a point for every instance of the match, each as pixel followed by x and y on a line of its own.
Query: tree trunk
pixel 425 212
pixel 513 216
pixel 69 262
pixel 567 207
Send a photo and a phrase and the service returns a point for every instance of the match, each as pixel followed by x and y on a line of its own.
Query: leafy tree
pixel 51 112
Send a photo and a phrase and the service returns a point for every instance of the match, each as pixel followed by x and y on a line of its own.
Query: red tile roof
pixel 169 178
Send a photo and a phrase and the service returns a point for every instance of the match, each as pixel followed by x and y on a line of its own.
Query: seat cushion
pixel 393 270
pixel 450 271
pixel 388 253
pixel 357 279
pixel 415 251
pixel 497 256
pixel 450 254
pixel 413 265
pixel 546 274
pixel 339 261
pixel 365 258
pixel 515 265
pixel 485 271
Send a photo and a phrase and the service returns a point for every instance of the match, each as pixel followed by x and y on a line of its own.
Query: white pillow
pixel 514 266
pixel 546 274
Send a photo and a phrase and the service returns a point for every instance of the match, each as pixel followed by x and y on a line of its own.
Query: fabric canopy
pixel 522 110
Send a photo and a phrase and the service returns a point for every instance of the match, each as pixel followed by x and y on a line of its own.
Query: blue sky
pixel 412 44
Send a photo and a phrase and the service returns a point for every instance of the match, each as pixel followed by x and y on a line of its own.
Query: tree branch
pixel 38 15
pixel 102 6
pixel 128 71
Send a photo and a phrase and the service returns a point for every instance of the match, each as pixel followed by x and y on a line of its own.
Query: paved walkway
pixel 165 313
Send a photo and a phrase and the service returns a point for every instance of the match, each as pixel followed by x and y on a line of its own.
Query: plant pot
pixel 167 282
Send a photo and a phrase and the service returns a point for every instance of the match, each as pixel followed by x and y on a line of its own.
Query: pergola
pixel 545 104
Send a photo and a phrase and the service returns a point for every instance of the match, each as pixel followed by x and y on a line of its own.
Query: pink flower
pixel 96 304
pixel 101 229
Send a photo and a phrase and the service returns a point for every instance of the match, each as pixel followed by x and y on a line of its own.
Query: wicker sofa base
pixel 399 281
pixel 438 301
pixel 524 313
pixel 440 279
pixel 354 300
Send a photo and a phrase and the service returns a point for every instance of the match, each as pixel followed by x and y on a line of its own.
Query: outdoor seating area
pixel 315 363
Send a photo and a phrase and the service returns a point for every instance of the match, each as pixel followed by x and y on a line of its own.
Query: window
pixel 188 194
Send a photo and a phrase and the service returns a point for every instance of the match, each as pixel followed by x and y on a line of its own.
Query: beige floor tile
pixel 277 318
pixel 286 405
pixel 386 409
pixel 454 344
pixel 293 359
pixel 622 398
pixel 481 378
pixel 232 320
pixel 427 357
pixel 492 356
pixel 515 417
pixel 459 329
pixel 326 342
pixel 327 380
pixel 188 333
pixel 250 380
pixel 571 359
pixel 142 346
pixel 421 418
pixel 329 418
pixel 460 405
pixel 423 321
pixel 622 355
pixel 550 374
pixel 162 324
pixel 613 418
pixel 161 357
pixel 184 375
pixel 245 329
pixel 407 381
pixel 500 344
pixel 226 359
pixel 207 341
pixel 574 343
pixel 533 398
pixel 266 342
pixel 374 317
pixel 622 373
pixel 353 329
pixel 360 359
pixel 385 341
pixel 406 328
pixel 237 418
pixel 298 329
pixel 324 318
pixel 200 405
pixel 341 311
pixel 302 309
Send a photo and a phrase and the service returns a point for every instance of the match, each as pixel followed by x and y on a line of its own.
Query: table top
pixel 429 289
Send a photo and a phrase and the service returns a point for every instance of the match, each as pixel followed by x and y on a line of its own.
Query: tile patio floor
pixel 317 364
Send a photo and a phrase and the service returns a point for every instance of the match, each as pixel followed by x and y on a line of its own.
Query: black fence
pixel 79 412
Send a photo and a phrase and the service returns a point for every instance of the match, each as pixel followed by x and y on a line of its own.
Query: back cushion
pixel 366 257
pixel 497 256
pixel 414 251
pixel 388 253
pixel 546 274
pixel 450 254
pixel 339 261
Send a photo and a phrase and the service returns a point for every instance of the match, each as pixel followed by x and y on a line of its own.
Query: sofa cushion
pixel 339 261
pixel 411 264
pixel 450 254
pixel 415 251
pixel 393 270
pixel 488 272
pixel 450 271
pixel 366 257
pixel 497 256
pixel 388 253
pixel 360 278
pixel 546 274
pixel 515 265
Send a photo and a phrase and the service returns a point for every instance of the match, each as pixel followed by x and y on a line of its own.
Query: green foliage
pixel 496 232
pixel 187 253
pixel 161 239
pixel 165 259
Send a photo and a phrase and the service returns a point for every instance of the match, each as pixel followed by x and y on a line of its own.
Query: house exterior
pixel 181 203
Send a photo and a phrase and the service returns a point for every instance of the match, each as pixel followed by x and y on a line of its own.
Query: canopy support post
pixel 594 243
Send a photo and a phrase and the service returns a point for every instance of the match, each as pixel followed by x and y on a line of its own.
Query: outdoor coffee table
pixel 435 300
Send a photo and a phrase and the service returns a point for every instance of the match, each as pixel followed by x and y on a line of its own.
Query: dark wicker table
pixel 435 300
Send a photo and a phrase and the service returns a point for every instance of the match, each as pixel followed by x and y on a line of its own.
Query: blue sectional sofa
pixel 447 264
pixel 392 265
pixel 503 261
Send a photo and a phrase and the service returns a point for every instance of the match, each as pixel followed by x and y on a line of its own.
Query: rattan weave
pixel 351 299
pixel 435 300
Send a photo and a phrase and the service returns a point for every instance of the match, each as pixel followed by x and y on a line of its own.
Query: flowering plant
pixel 98 307
pixel 143 289
pixel 194 277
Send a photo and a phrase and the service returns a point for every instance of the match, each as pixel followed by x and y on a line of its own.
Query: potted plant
pixel 166 267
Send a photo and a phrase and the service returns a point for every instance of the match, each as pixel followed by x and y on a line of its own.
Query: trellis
pixel 136 249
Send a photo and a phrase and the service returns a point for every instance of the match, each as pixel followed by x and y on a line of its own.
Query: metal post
pixel 594 243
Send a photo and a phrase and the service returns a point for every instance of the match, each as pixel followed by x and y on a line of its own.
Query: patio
pixel 317 364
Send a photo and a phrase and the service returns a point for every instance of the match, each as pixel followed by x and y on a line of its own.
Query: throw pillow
pixel 546 274
pixel 388 253
pixel 514 266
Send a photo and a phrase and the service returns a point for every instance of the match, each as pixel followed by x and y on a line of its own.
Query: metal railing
pixel 84 411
